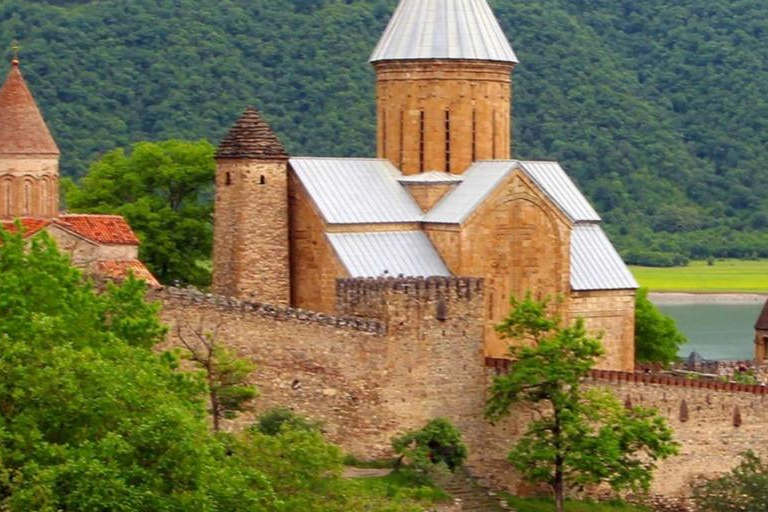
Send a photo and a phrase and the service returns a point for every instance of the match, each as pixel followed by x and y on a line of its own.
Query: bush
pixel 277 419
pixel 744 488
pixel 438 442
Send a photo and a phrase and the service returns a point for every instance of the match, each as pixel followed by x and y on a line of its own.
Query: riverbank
pixel 678 298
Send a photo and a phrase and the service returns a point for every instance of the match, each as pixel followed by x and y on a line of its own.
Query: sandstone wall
pixel 611 314
pixel 711 442
pixel 250 255
pixel 29 187
pixel 84 252
pixel 443 115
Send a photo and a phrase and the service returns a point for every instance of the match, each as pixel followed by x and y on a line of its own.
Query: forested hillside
pixel 658 108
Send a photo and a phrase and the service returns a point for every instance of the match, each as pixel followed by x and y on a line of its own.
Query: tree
pixel 438 442
pixel 578 436
pixel 164 190
pixel 745 488
pixel 225 373
pixel 657 339
pixel 92 418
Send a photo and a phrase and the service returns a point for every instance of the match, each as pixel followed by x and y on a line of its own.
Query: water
pixel 716 331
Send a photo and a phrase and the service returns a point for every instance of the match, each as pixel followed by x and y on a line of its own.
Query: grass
pixel 725 276
pixel 405 489
pixel 547 505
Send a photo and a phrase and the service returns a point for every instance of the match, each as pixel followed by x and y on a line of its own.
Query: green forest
pixel 658 109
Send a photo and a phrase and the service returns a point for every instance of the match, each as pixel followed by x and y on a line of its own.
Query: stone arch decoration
pixel 6 196
pixel 524 255
pixel 28 196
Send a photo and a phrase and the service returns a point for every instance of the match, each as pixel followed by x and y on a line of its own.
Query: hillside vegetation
pixel 659 109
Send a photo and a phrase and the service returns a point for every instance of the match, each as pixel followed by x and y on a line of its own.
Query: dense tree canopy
pixel 578 436
pixel 657 339
pixel 164 191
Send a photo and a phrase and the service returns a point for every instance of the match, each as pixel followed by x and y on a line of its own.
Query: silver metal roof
pixel 356 190
pixel 482 178
pixel 562 190
pixel 595 264
pixel 409 253
pixel 432 177
pixel 444 29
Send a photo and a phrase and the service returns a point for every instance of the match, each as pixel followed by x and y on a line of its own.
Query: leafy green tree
pixel 438 442
pixel 225 373
pixel 657 339
pixel 164 190
pixel 274 420
pixel 580 436
pixel 92 418
pixel 743 489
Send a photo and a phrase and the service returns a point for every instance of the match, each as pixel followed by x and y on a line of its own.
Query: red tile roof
pixel 252 138
pixel 119 270
pixel 103 229
pixel 29 226
pixel 22 128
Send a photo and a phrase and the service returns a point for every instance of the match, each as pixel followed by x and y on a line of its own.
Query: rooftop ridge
pixel 194 296
pixel 464 285
pixel 251 138
pixel 22 128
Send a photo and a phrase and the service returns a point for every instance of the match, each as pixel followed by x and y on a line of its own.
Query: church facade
pixel 102 245
pixel 445 197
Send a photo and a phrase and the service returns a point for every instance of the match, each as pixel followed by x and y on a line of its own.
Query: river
pixel 723 329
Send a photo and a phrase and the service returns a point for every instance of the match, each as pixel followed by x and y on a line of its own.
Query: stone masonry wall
pixel 425 100
pixel 251 255
pixel 611 314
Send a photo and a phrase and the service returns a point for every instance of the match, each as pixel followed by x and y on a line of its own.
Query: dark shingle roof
pixel 251 137
pixel 762 320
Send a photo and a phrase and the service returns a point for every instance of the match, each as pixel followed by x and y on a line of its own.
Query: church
pixel 104 246
pixel 445 197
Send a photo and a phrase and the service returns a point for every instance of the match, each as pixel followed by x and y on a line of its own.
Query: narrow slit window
pixel 421 141
pixel 228 179
pixel 493 137
pixel 447 141
pixel 402 138
pixel 27 196
pixel 474 135
pixel 384 132
pixel 263 180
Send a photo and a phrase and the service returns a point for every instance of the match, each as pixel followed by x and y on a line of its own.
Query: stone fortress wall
pixel 402 351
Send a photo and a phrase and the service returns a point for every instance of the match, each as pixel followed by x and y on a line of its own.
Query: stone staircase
pixel 472 496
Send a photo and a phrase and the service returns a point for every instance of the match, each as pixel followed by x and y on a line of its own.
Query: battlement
pixel 503 365
pixel 380 297
pixel 193 296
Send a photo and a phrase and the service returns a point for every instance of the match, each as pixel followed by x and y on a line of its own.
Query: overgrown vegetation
pixel 578 436
pixel 657 108
pixel 545 505
pixel 95 420
pixel 657 339
pixel 744 488
pixel 439 442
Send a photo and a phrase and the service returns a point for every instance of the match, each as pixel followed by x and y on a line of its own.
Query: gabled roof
pixel 251 138
pixel 28 226
pixel 22 128
pixel 482 178
pixel 356 190
pixel 119 270
pixel 444 29
pixel 595 264
pixel 102 229
pixel 388 254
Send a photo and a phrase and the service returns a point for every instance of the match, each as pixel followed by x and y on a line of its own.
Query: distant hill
pixel 658 108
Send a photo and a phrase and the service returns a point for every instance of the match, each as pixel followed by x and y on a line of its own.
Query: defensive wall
pixel 402 351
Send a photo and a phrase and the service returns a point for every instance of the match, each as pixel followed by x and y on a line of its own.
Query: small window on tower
pixel 263 180
pixel 228 179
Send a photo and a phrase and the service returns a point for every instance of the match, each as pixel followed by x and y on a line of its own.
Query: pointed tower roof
pixel 251 137
pixel 22 128
pixel 444 29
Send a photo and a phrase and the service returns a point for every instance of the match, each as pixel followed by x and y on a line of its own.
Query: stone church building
pixel 103 245
pixel 445 196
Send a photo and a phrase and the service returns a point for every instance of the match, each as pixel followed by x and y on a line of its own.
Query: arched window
pixel 27 197
pixel 44 198
pixel 6 192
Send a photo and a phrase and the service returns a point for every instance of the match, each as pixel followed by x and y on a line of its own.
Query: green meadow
pixel 724 276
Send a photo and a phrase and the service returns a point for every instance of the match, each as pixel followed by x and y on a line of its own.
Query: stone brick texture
pixel 476 94
pixel 250 255
pixel 402 351
pixel 29 186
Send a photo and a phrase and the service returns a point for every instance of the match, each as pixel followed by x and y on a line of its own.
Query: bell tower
pixel 29 157
pixel 443 86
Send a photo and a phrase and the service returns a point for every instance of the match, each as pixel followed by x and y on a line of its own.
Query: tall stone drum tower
pixel 443 86
pixel 29 157
pixel 250 255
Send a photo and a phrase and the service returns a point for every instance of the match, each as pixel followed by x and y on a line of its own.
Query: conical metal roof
pixel 22 128
pixel 444 29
